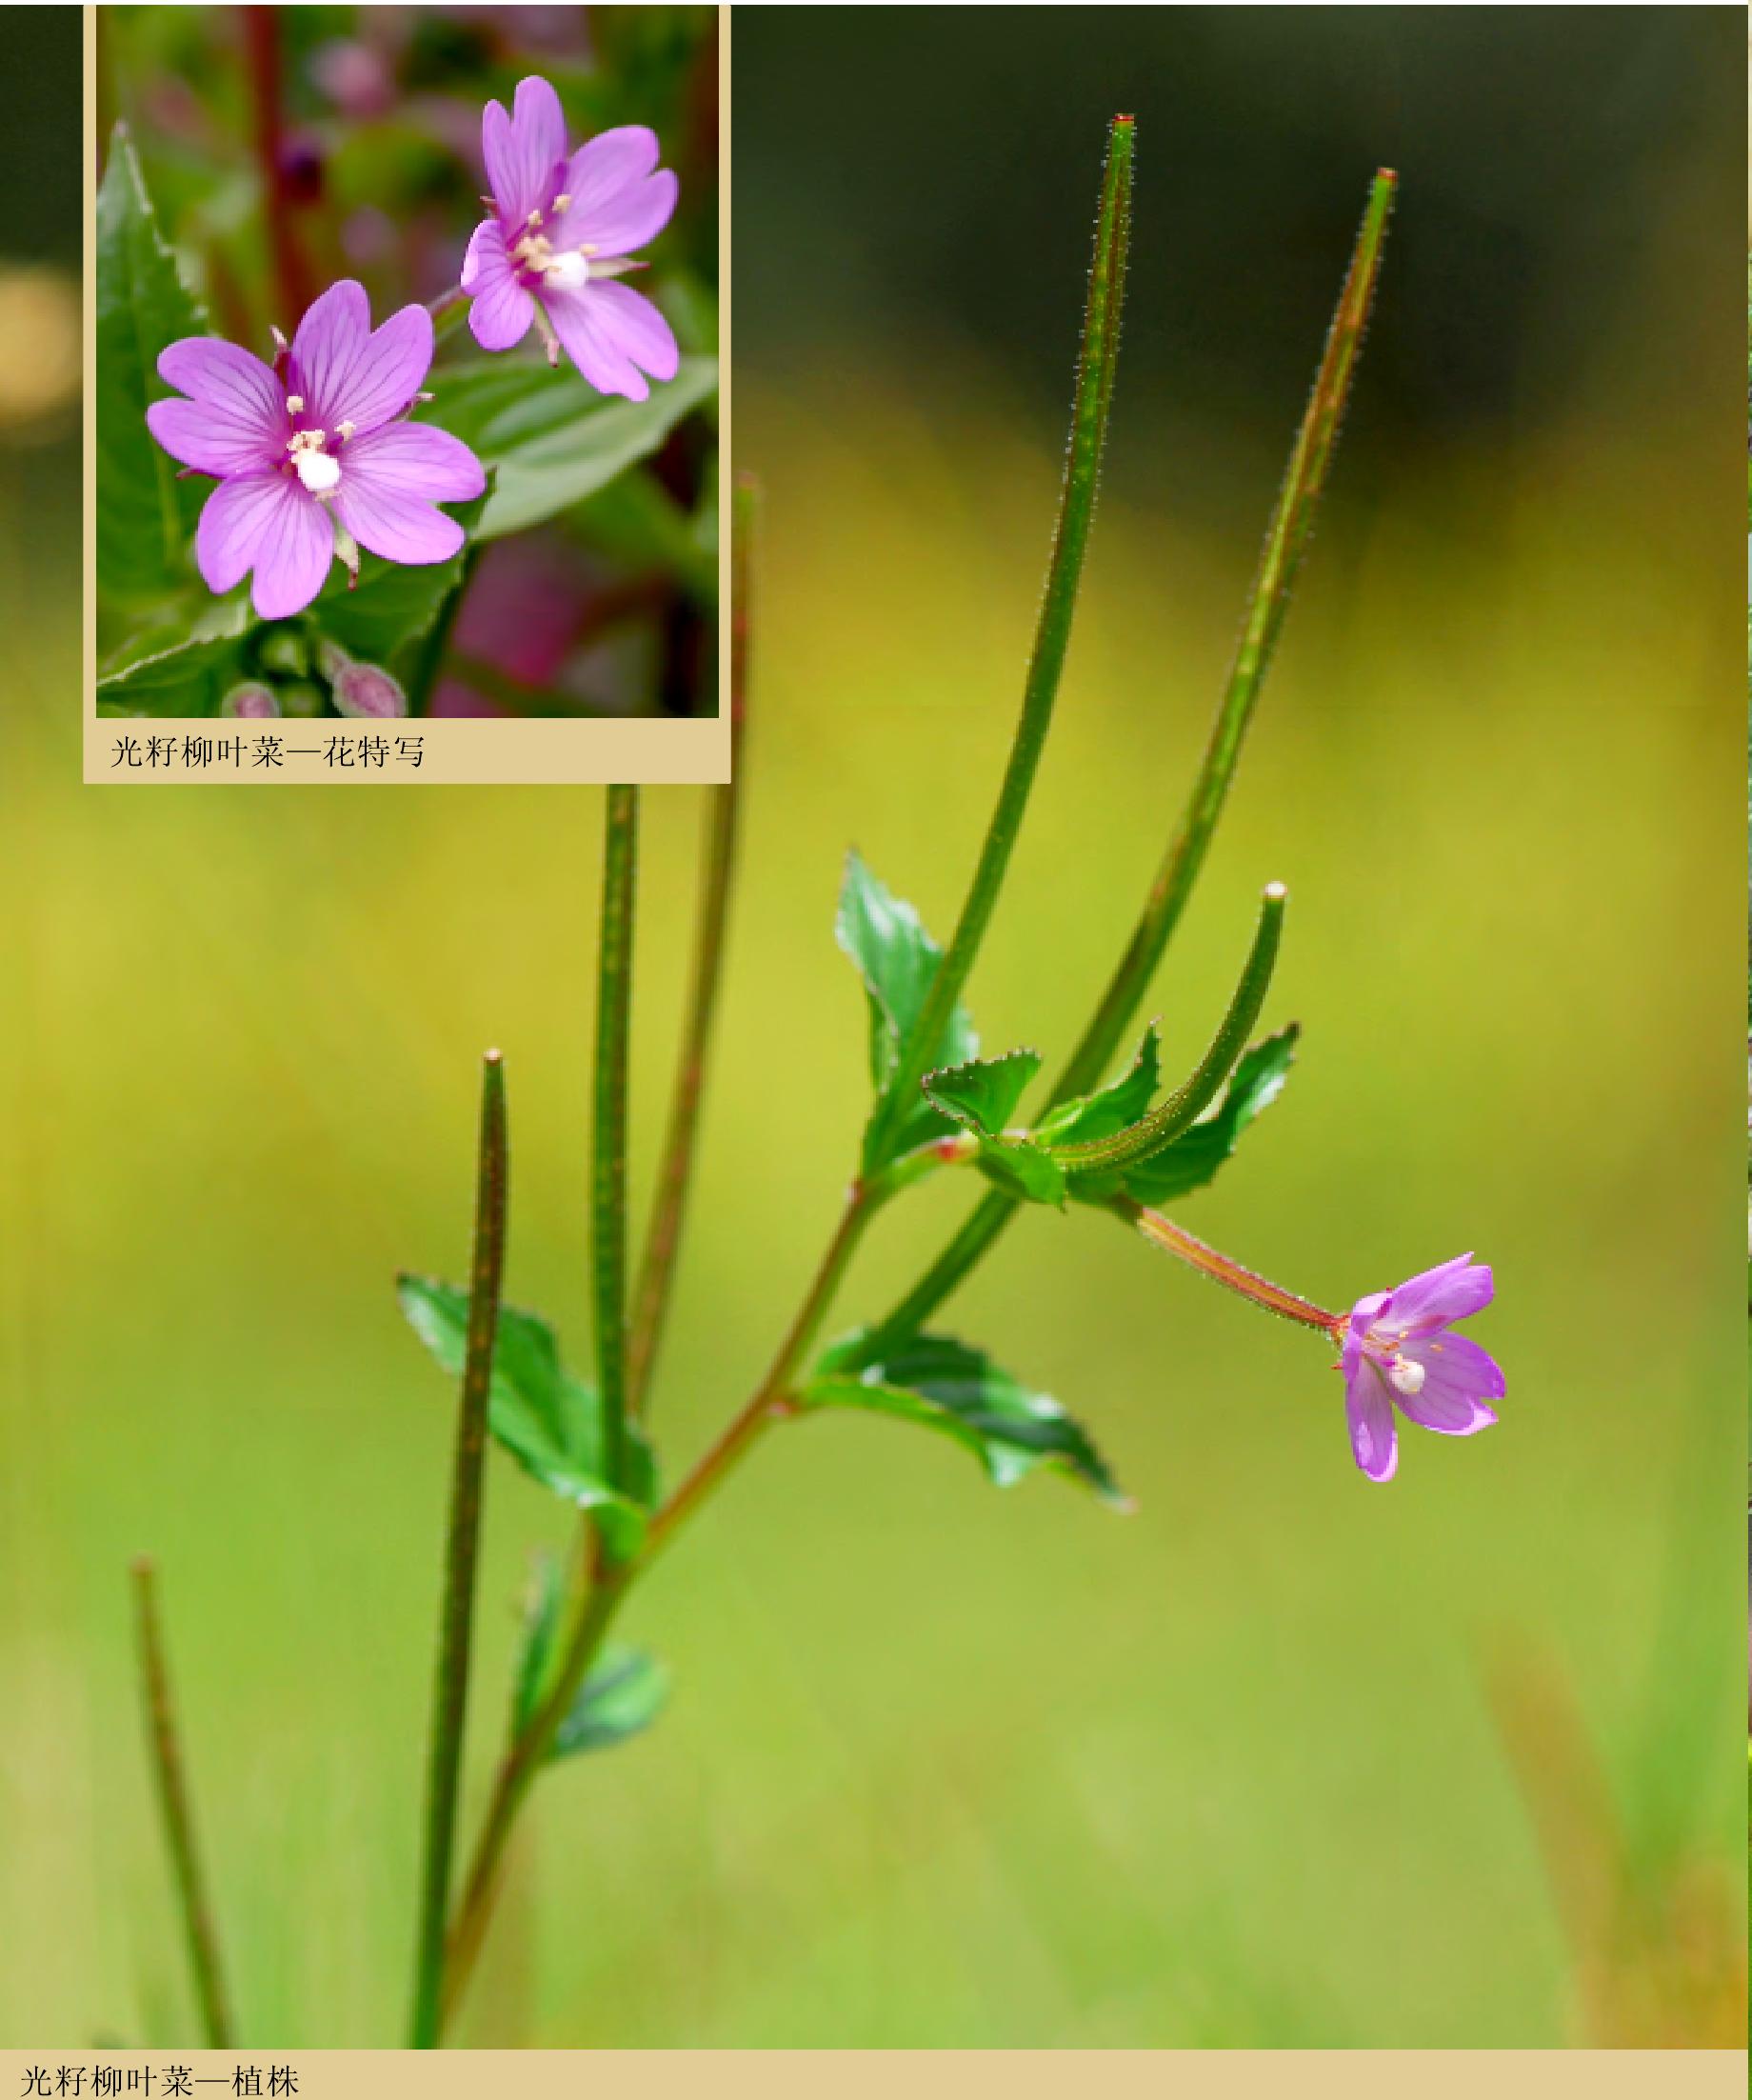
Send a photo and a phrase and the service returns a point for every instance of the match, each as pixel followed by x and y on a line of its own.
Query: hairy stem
pixel 1174 1239
pixel 662 1238
pixel 1099 351
pixel 608 1150
pixel 1286 540
pixel 1180 1109
pixel 199 1934
pixel 456 1626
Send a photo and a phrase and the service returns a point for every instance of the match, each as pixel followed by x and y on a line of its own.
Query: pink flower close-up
pixel 313 454
pixel 1399 1352
pixel 563 232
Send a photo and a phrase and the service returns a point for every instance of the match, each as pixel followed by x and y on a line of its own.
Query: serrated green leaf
pixel 145 515
pixel 550 437
pixel 946 1386
pixel 897 959
pixel 621 1697
pixel 1020 1167
pixel 549 1421
pixel 1110 1108
pixel 1194 1158
pixel 983 1095
pixel 540 1629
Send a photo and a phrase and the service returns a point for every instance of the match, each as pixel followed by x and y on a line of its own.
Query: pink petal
pixel 211 440
pixel 235 418
pixel 610 332
pixel 348 373
pixel 1370 1412
pixel 269 523
pixel 1451 1291
pixel 503 309
pixel 617 203
pixel 1459 1378
pixel 524 152
pixel 389 482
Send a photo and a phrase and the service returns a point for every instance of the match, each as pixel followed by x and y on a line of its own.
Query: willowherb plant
pixel 1121 1146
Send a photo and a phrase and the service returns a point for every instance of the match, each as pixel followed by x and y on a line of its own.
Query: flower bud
pixel 332 659
pixel 303 699
pixel 248 700
pixel 283 649
pixel 366 691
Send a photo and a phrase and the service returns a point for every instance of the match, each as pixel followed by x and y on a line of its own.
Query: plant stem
pixel 517 1769
pixel 770 1401
pixel 1286 541
pixel 1174 1239
pixel 609 1145
pixel 1094 393
pixel 456 1626
pixel 199 1934
pixel 662 1238
pixel 263 47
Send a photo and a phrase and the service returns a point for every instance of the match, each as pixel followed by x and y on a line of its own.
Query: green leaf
pixel 144 516
pixel 393 604
pixel 540 1629
pixel 983 1095
pixel 549 1421
pixel 946 1386
pixel 897 959
pixel 551 438
pixel 164 675
pixel 1193 1159
pixel 1110 1108
pixel 621 1697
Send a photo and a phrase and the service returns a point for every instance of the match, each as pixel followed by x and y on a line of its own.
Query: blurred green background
pixel 1262 1765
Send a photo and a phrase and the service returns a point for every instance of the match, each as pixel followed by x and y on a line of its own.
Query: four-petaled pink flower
pixel 562 232
pixel 311 454
pixel 1399 1350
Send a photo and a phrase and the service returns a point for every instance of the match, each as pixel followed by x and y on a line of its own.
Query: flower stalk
pixel 663 1239
pixel 608 1150
pixel 1076 514
pixel 1174 1239
pixel 200 1931
pixel 462 1548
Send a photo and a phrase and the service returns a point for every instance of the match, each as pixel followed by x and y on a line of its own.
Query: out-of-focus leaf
pixel 946 1386
pixel 167 674
pixel 393 604
pixel 897 959
pixel 551 439
pixel 145 515
pixel 549 1421
pixel 540 1629
pixel 621 1697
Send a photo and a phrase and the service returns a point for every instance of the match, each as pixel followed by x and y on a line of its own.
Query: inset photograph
pixel 405 356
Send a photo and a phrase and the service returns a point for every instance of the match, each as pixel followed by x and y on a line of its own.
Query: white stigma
pixel 319 471
pixel 566 272
pixel 1407 1376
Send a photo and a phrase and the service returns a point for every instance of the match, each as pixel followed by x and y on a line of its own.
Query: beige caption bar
pixel 864 2075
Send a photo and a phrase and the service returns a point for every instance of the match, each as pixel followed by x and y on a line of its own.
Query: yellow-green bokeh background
pixel 944 1766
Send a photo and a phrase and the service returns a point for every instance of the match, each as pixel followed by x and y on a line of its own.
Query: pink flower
pixel 311 454
pixel 1399 1352
pixel 564 232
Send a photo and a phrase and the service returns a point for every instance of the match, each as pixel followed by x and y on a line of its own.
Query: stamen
pixel 534 219
pixel 294 403
pixel 345 431
pixel 563 202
